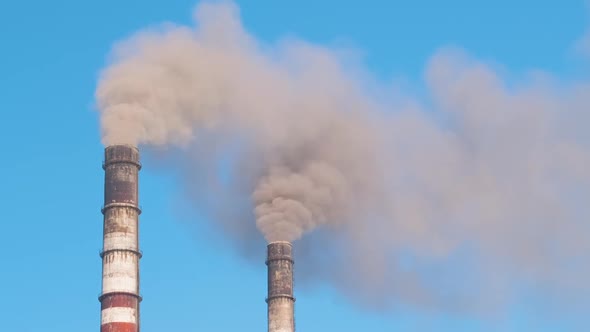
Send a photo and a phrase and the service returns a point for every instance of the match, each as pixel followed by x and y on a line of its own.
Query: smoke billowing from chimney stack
pixel 290 138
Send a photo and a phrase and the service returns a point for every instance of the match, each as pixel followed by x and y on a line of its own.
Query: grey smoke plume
pixel 485 186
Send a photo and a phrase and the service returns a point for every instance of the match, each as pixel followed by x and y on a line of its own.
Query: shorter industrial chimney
pixel 281 303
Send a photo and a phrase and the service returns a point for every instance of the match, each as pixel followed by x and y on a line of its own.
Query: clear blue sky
pixel 51 179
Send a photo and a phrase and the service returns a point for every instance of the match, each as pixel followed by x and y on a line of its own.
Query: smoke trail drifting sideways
pixel 503 182
pixel 166 87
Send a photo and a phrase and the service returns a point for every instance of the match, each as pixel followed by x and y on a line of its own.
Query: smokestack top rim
pixel 121 154
pixel 279 251
pixel 280 242
pixel 132 146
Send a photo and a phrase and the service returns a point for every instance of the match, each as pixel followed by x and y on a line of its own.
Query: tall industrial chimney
pixel 120 252
pixel 281 303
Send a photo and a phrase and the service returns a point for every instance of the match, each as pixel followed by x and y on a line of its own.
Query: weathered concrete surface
pixel 120 255
pixel 281 303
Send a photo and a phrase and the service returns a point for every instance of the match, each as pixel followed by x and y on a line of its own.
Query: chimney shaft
pixel 280 298
pixel 120 252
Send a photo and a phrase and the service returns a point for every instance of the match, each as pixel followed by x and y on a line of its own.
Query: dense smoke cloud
pixel 486 187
